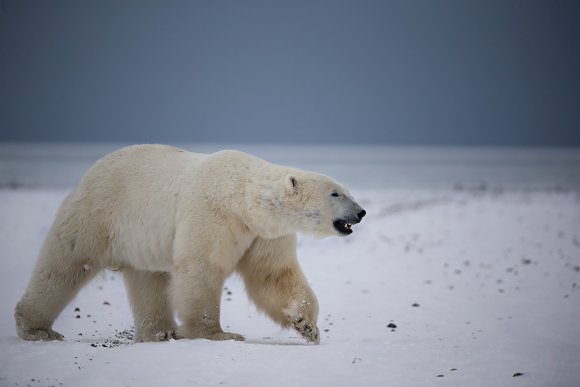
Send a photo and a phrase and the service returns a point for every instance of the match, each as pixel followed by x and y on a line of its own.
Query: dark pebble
pixel 415 305
pixel 518 374
pixel 391 325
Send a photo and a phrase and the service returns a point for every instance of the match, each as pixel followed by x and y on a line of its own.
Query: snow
pixel 481 285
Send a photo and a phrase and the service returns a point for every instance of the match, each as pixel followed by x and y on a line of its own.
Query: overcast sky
pixel 338 72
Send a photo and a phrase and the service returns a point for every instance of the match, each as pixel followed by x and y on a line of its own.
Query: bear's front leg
pixel 276 284
pixel 196 293
pixel 301 313
pixel 148 295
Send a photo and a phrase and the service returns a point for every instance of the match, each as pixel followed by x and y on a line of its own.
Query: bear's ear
pixel 291 184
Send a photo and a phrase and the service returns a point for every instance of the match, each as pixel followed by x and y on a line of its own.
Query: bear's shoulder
pixel 233 155
pixel 235 160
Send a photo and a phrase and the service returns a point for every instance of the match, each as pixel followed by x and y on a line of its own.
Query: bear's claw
pixel 144 336
pixel 309 331
pixel 166 336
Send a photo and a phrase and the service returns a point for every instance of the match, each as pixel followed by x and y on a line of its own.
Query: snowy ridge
pixel 59 165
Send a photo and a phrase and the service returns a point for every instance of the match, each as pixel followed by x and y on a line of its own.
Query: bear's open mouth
pixel 343 227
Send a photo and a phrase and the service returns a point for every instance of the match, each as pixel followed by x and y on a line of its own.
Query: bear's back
pixel 135 166
pixel 134 196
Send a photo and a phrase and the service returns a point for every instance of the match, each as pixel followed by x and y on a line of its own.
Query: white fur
pixel 177 224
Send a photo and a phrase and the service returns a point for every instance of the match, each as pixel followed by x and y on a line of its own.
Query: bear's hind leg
pixel 148 295
pixel 55 281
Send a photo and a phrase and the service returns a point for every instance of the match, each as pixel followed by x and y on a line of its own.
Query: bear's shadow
pixel 276 342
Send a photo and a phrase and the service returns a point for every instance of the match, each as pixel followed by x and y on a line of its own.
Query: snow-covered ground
pixel 483 287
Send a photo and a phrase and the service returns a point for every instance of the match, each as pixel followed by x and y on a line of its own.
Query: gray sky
pixel 340 72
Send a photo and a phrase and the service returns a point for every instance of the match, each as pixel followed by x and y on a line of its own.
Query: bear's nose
pixel 361 214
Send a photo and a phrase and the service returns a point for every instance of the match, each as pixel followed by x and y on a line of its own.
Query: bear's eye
pixel 335 194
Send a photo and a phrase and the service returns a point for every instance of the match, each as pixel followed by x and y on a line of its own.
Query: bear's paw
pixel 307 329
pixel 40 335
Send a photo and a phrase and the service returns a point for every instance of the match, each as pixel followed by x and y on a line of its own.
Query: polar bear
pixel 177 224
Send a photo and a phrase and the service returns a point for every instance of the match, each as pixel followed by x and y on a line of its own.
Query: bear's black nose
pixel 361 214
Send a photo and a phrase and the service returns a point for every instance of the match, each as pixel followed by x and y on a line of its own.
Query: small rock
pixel 415 305
pixel 392 325
pixel 518 374
pixel 106 303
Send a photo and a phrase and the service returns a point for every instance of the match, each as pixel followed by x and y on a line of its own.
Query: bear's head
pixel 318 205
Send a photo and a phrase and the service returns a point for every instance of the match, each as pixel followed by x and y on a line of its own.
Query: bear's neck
pixel 263 211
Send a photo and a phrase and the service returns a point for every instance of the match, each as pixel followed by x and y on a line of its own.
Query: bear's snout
pixel 344 225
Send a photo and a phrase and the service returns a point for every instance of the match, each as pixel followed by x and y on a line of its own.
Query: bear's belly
pixel 150 250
